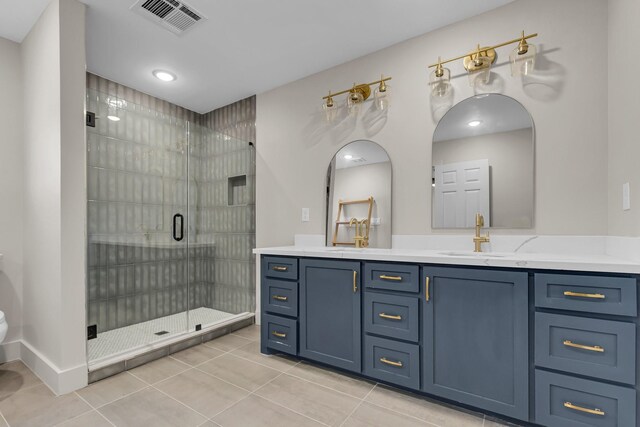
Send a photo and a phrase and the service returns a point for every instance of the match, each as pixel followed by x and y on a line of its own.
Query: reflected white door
pixel 461 190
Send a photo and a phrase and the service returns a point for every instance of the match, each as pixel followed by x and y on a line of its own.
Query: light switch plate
pixel 305 214
pixel 626 197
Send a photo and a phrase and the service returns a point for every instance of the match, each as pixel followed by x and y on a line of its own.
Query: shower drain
pixel 161 333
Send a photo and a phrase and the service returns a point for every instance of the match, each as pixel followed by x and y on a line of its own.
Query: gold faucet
pixel 361 241
pixel 478 240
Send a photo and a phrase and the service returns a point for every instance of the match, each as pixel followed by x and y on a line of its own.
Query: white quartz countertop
pixel 546 261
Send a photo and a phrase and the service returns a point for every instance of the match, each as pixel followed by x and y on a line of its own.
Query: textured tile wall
pixel 227 216
pixel 137 181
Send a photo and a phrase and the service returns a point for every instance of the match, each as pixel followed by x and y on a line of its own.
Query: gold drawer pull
pixel 595 411
pixel 581 295
pixel 583 347
pixel 394 278
pixel 280 268
pixel 390 316
pixel 278 334
pixel 355 281
pixel 391 362
pixel 280 298
pixel 426 289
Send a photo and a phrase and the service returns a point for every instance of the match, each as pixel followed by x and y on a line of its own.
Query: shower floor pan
pixel 124 348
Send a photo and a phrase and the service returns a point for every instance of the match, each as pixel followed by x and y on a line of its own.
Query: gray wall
pixel 624 112
pixel 568 107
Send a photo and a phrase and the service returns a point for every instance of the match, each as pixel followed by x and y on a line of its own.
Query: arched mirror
pixel 359 197
pixel 483 162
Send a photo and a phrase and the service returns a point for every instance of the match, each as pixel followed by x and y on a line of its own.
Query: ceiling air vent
pixel 173 15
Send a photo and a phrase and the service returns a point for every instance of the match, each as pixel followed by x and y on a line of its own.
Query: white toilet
pixel 3 327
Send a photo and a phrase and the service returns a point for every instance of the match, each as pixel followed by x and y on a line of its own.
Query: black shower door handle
pixel 175 227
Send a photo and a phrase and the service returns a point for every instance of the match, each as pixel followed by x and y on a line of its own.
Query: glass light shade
pixel 522 63
pixel 480 76
pixel 330 111
pixel 354 101
pixel 440 85
pixel 382 97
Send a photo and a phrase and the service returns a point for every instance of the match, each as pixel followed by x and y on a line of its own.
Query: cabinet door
pixel 476 345
pixel 330 321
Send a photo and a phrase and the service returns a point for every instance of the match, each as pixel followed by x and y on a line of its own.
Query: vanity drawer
pixel 280 333
pixel 391 315
pixel 392 361
pixel 280 297
pixel 392 277
pixel 280 267
pixel 593 347
pixel 594 294
pixel 564 401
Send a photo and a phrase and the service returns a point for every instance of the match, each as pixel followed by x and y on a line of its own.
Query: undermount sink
pixel 474 254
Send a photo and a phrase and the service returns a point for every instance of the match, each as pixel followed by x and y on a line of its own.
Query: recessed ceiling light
pixel 348 156
pixel 474 123
pixel 113 118
pixel 165 76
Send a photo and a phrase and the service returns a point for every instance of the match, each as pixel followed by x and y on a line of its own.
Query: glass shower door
pixel 138 234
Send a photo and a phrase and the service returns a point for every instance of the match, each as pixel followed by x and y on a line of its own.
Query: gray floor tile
pixel 159 370
pixel 149 407
pixel 112 388
pixel 92 419
pixel 202 392
pixel 311 400
pixel 368 415
pixel 250 332
pixel 241 372
pixel 423 409
pixel 251 352
pixel 336 380
pixel 196 355
pixel 15 376
pixel 38 406
pixel 256 411
pixel 227 342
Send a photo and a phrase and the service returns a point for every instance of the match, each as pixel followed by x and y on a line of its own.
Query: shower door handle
pixel 175 227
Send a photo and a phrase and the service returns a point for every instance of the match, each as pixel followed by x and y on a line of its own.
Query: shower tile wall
pixel 227 205
pixel 136 182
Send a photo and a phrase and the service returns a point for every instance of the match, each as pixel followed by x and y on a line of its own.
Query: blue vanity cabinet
pixel 330 312
pixel 279 305
pixel 476 345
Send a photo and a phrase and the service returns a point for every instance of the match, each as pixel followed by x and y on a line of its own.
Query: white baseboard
pixel 10 351
pixel 60 381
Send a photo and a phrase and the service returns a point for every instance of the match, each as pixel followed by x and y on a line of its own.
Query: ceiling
pixel 362 153
pixel 244 47
pixel 496 113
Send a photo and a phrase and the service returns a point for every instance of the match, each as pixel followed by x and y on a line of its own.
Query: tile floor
pixel 224 382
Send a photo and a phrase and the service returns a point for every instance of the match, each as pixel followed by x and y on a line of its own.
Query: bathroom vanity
pixel 537 339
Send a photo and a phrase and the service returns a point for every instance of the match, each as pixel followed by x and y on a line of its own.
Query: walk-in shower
pixel 171 223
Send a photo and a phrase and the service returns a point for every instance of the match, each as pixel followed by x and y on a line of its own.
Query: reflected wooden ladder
pixel 341 204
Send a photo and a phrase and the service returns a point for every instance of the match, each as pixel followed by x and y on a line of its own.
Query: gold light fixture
pixel 360 93
pixel 440 80
pixel 523 58
pixel 478 63
pixel 330 109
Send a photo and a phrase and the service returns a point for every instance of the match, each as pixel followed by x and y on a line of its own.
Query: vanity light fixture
pixel 163 75
pixel 478 63
pixel 522 58
pixel 440 80
pixel 358 94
